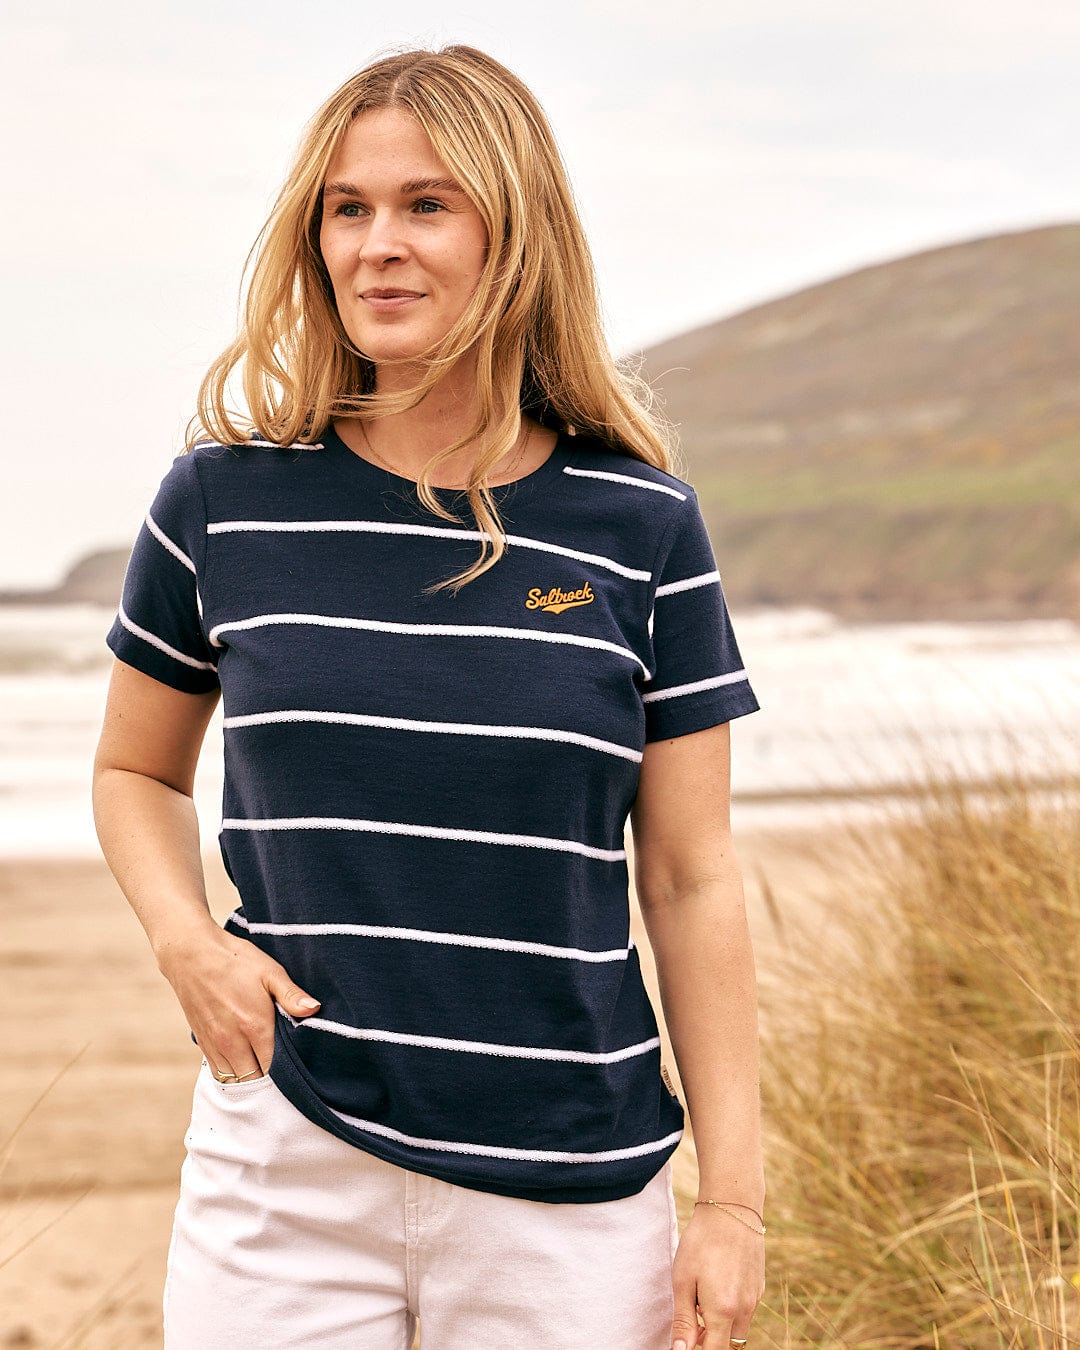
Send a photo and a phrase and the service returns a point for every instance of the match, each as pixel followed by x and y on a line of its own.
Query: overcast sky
pixel 722 154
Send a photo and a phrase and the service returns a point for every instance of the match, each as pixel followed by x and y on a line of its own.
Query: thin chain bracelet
pixel 720 1204
pixel 738 1204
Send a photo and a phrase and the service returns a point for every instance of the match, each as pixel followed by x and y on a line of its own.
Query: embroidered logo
pixel 555 600
pixel 667 1081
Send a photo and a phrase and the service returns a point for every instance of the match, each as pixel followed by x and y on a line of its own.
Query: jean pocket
pixel 244 1088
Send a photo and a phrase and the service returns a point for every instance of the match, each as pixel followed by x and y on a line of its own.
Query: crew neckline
pixel 516 490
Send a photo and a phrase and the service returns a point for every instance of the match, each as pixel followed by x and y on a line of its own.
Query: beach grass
pixel 921 1087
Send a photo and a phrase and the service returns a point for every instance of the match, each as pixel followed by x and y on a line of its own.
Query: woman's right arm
pixel 144 813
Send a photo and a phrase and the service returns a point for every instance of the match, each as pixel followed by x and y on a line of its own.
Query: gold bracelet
pixel 738 1204
pixel 723 1204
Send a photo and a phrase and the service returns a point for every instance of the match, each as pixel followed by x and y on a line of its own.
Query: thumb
pixel 291 997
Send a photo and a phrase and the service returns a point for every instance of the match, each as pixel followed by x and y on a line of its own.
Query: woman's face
pixel 395 223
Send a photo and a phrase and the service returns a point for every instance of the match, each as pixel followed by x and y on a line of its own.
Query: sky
pixel 721 155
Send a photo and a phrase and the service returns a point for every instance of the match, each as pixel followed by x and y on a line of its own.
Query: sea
pixel 854 718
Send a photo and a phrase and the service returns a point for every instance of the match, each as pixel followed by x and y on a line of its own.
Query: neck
pixel 404 442
pixel 407 440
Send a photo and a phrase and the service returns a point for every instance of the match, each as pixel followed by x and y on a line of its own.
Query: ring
pixel 733 1341
pixel 224 1077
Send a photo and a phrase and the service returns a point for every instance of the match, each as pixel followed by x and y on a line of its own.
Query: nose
pixel 382 241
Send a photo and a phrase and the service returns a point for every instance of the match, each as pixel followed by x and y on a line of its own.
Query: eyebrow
pixel 341 189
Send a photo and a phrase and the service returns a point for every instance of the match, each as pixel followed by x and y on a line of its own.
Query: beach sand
pixel 97 1051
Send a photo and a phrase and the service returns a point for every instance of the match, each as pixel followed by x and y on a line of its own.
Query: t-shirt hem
pixel 683 723
pixel 289 1078
pixel 158 666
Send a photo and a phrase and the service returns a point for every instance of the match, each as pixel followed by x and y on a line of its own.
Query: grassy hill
pixel 899 442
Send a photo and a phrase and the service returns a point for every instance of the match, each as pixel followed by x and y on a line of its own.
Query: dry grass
pixel 922 1090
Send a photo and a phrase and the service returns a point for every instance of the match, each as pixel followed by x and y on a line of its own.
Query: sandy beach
pixel 88 1185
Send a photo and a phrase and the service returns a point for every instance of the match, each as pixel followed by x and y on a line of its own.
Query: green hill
pixel 899 442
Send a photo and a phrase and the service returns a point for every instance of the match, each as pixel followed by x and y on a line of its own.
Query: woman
pixel 431 1083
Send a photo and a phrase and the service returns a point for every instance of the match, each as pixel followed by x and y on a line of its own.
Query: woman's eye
pixel 347 209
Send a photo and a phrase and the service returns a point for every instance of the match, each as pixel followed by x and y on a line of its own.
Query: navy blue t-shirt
pixel 425 795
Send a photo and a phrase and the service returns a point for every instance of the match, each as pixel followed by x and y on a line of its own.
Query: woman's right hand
pixel 227 988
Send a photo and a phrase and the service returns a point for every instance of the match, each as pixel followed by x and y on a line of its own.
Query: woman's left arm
pixel 689 887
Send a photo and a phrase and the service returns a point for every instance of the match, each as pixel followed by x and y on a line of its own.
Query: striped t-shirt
pixel 425 795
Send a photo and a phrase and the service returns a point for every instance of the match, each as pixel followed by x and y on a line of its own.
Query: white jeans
pixel 286 1236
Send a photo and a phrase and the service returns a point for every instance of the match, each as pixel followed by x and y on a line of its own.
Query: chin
pixel 384 348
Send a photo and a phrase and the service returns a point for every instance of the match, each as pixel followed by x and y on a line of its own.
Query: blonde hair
pixel 534 316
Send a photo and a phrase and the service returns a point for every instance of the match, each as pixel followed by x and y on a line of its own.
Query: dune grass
pixel 921 1088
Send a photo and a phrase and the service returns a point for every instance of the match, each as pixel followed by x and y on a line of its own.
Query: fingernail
pixel 314 1003
pixel 679 1345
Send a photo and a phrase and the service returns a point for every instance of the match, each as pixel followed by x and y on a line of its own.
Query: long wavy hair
pixel 534 317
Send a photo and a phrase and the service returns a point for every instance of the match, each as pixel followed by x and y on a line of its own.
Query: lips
pixel 390 299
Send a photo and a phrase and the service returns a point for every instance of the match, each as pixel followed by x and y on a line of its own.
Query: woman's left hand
pixel 719 1267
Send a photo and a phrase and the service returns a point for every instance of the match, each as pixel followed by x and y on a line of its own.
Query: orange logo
pixel 555 601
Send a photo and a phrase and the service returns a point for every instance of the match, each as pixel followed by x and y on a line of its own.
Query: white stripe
pixel 262 445
pixel 626 478
pixel 426 630
pixel 426 935
pixel 676 691
pixel 423 831
pixel 433 531
pixel 159 534
pixel 705 579
pixel 475 1047
pixel 516 1154
pixel 295 445
pixel 177 552
pixel 450 728
pixel 161 644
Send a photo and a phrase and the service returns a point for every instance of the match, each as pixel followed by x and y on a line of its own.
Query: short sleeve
pixel 698 678
pixel 158 627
